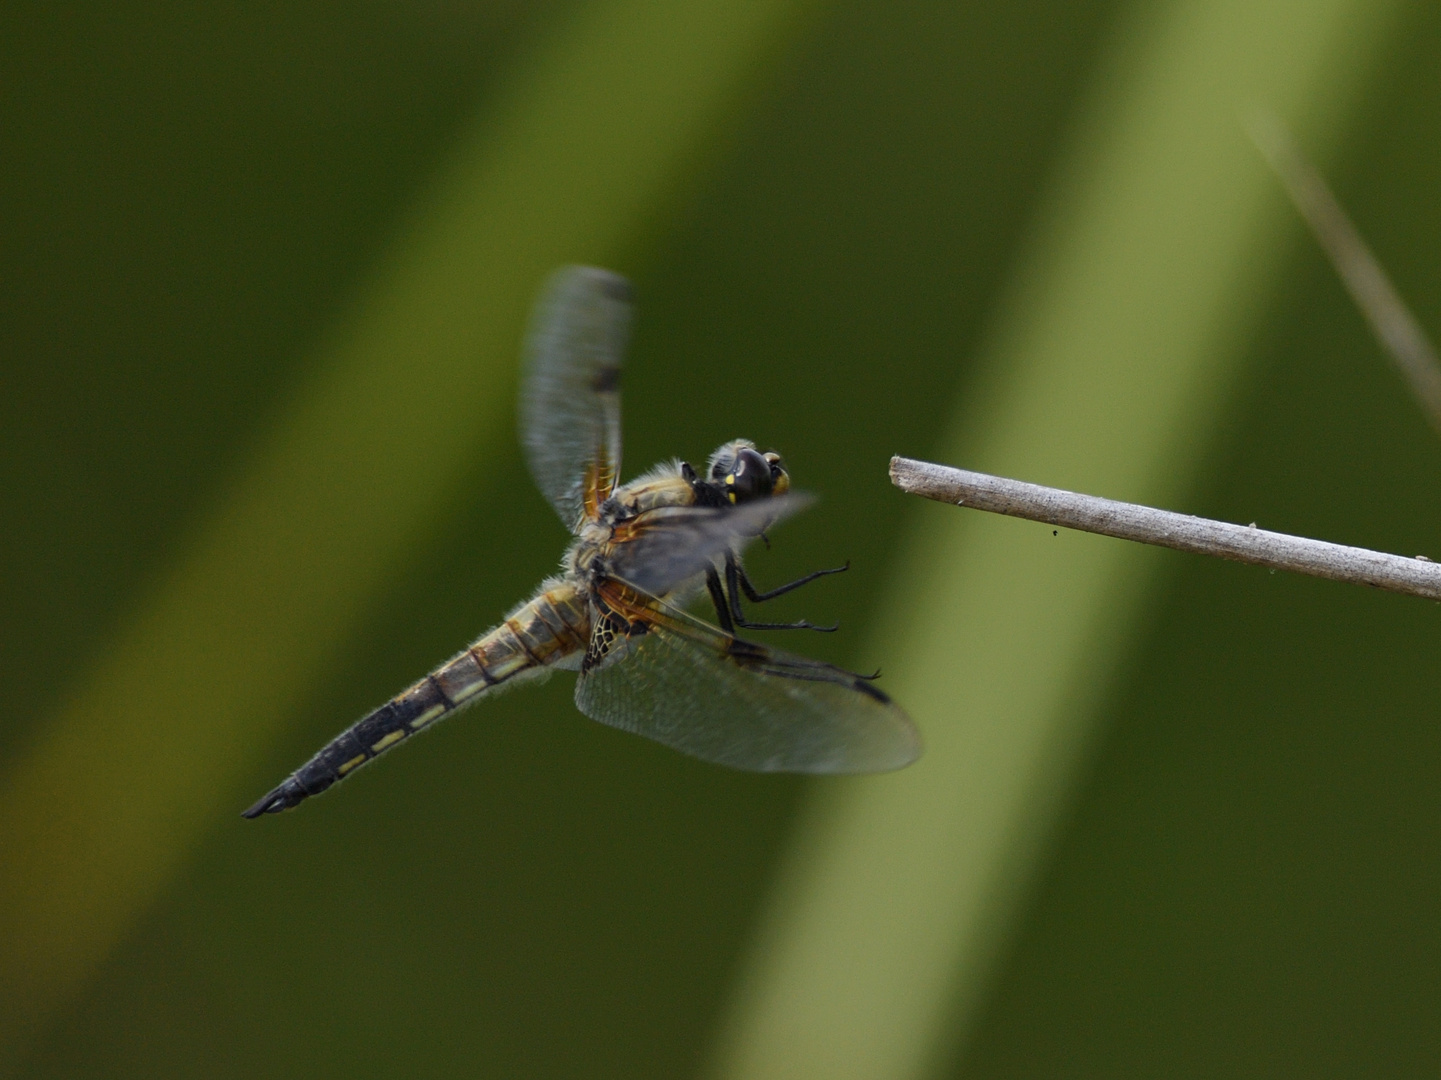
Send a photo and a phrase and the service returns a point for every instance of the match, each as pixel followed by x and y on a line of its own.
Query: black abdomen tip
pixel 284 797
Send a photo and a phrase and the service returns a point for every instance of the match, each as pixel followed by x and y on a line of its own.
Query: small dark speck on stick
pixel 1417 576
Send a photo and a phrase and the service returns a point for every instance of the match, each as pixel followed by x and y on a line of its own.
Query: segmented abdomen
pixel 540 633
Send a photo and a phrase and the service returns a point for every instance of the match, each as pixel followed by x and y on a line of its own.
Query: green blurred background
pixel 194 202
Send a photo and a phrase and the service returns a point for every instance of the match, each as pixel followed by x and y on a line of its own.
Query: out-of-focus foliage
pixel 191 197
pixel 1106 369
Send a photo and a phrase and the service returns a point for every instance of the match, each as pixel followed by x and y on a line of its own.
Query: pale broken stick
pixel 1417 576
pixel 1399 332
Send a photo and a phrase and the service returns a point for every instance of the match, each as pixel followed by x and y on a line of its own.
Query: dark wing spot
pixel 866 688
pixel 753 657
pixel 745 653
pixel 616 287
pixel 607 380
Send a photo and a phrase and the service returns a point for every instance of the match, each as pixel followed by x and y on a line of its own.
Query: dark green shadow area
pixel 521 893
pixel 190 194
pixel 1248 885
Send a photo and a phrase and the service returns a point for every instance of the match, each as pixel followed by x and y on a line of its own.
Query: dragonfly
pixel 617 613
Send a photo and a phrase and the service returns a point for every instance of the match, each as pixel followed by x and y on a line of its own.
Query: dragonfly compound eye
pixel 749 477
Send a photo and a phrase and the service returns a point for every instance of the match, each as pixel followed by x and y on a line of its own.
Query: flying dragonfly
pixel 616 612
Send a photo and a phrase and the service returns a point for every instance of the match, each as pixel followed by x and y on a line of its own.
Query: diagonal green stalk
pixel 1106 371
pixel 152 741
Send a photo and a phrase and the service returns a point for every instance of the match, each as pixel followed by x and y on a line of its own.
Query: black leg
pixel 736 582
pixel 759 597
pixel 718 598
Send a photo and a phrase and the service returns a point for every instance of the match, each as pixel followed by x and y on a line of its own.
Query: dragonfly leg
pixel 760 597
pixel 737 582
pixel 718 598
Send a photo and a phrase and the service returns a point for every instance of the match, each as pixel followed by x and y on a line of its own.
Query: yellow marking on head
pixel 731 479
pixel 390 740
pixel 731 495
pixel 358 759
pixel 426 717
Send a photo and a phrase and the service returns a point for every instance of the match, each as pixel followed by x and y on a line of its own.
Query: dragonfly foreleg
pixel 760 597
pixel 738 582
pixel 721 602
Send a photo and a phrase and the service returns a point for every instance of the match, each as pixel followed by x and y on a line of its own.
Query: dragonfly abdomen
pixel 536 635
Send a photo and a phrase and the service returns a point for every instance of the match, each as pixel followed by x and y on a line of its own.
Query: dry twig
pixel 1417 576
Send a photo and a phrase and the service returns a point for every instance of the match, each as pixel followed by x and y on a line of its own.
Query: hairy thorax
pixel 665 485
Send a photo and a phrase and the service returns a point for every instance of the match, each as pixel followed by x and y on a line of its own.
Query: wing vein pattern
pixel 687 684
pixel 570 403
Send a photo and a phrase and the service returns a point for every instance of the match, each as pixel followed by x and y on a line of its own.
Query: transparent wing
pixel 570 390
pixel 659 549
pixel 684 683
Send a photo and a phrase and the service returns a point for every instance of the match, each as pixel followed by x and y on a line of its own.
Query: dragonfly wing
pixel 670 677
pixel 570 393
pixel 662 548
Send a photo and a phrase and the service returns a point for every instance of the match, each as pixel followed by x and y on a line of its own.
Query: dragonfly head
pixel 747 474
